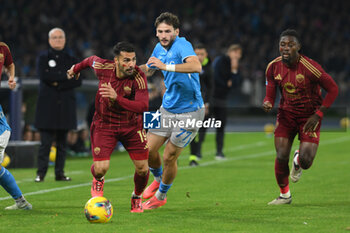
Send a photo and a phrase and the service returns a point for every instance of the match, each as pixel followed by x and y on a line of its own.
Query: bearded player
pixel 120 102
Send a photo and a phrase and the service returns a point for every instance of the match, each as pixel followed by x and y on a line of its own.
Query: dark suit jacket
pixel 56 105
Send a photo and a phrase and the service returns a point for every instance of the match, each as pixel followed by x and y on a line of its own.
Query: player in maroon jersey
pixel 300 111
pixel 120 102
pixel 6 60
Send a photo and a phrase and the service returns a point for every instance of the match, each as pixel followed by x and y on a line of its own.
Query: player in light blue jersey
pixel 7 181
pixel 182 100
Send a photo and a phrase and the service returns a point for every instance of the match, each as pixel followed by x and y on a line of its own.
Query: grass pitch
pixel 217 196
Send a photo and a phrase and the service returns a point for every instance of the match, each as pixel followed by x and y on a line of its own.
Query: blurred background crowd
pixel 93 27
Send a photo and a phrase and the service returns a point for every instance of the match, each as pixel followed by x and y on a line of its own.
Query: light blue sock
pixel 7 181
pixel 163 189
pixel 157 173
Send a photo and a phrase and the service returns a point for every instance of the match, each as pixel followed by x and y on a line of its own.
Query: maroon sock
pixel 140 183
pixel 282 175
pixel 93 170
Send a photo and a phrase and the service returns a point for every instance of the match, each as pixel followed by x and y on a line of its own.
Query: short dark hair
pixel 169 19
pixel 291 32
pixel 123 46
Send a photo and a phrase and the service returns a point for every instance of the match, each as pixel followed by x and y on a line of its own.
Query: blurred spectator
pixel 78 143
pixel 256 25
pixel 206 81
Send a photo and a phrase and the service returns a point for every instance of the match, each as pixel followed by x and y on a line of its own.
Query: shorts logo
pixel 300 78
pixel 151 120
pixel 97 150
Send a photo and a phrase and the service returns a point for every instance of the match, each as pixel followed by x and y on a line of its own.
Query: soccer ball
pixel 98 210
pixel 268 129
pixel 52 155
pixel 345 122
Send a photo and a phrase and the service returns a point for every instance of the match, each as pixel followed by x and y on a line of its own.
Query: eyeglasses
pixel 57 37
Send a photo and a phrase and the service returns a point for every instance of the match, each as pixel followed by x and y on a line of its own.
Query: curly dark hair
pixel 169 19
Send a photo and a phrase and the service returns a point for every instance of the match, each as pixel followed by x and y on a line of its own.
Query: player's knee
pixel 142 169
pixel 282 157
pixel 100 171
pixel 169 160
pixel 282 154
pixel 305 162
pixel 142 172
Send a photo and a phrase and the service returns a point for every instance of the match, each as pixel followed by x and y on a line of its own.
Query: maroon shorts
pixel 104 140
pixel 288 125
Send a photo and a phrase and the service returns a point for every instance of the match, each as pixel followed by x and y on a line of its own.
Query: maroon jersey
pixel 300 86
pixel 5 56
pixel 132 94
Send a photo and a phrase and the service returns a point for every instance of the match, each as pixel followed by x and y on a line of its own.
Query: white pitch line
pixel 232 149
pixel 251 156
pixel 50 175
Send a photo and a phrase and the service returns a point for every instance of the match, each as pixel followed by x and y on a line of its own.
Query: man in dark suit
pixel 226 76
pixel 56 107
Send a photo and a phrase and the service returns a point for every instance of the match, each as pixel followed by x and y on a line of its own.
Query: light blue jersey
pixel 3 123
pixel 183 92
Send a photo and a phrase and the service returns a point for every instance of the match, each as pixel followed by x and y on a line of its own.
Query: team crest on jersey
pixel 289 87
pixel 97 150
pixel 300 78
pixel 127 90
pixel 278 77
pixel 1 57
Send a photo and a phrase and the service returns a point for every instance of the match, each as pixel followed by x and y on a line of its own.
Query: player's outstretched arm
pixel 145 69
pixel 71 74
pixel 11 73
pixel 191 65
pixel 267 106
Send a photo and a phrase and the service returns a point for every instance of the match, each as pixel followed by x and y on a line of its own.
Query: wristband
pixel 170 68
pixel 319 113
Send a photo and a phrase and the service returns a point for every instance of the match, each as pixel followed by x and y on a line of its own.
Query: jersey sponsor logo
pixel 97 150
pixel 127 90
pixel 151 120
pixel 300 78
pixel 1 57
pixel 278 77
pixel 289 87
